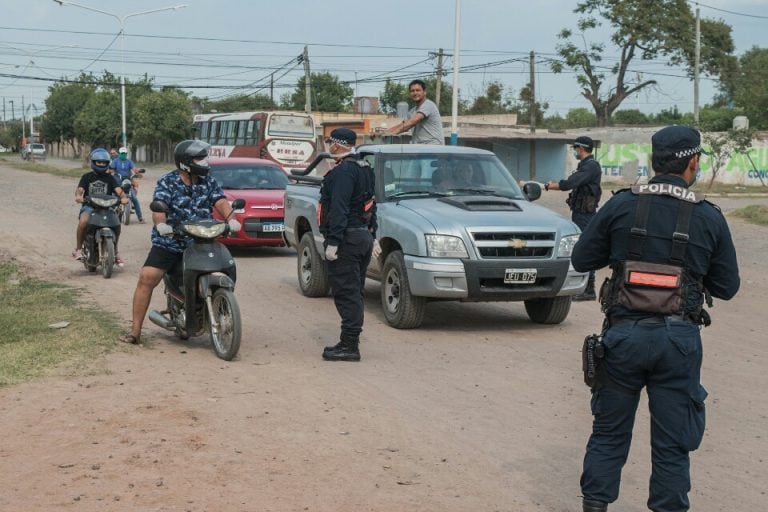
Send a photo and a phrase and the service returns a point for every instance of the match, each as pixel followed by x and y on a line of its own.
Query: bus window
pixel 241 127
pixel 288 125
pixel 229 135
pixel 213 136
pixel 203 128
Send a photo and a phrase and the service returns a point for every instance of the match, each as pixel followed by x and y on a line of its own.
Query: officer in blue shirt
pixel 124 168
pixel 670 251
pixel 348 222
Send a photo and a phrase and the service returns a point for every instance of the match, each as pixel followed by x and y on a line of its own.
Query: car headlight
pixel 105 201
pixel 205 231
pixel 565 247
pixel 445 246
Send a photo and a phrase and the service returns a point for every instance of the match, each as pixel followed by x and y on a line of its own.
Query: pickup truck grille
pixel 513 244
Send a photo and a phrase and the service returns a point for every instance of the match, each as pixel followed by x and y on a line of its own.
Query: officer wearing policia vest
pixel 347 220
pixel 584 185
pixel 670 252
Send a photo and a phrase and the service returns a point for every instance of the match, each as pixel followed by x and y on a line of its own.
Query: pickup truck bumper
pixel 470 280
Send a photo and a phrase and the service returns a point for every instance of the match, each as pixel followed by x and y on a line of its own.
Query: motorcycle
pixel 200 294
pixel 125 210
pixel 101 234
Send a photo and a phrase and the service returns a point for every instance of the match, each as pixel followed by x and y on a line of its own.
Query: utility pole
pixel 307 89
pixel 439 77
pixel 272 88
pixel 23 122
pixel 532 116
pixel 696 70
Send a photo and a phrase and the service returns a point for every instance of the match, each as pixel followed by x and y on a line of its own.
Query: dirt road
pixel 479 410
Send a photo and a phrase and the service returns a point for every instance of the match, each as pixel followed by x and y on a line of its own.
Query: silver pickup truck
pixel 453 225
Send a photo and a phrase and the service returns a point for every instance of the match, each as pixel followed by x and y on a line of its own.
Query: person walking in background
pixel 584 185
pixel 424 118
pixel 670 251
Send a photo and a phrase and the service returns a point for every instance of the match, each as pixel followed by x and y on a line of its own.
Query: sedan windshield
pixel 249 176
pixel 446 175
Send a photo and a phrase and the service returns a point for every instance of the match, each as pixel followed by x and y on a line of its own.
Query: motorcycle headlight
pixel 208 231
pixel 105 202
pixel 565 248
pixel 445 246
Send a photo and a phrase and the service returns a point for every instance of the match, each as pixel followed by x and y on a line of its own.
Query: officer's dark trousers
pixel 664 355
pixel 347 278
pixel 581 220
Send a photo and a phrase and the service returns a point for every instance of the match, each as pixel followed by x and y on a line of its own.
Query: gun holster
pixel 592 354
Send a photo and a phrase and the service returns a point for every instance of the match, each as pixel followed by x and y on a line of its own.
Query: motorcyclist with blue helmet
pixel 97 181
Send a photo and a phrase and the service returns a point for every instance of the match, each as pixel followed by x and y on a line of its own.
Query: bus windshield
pixel 282 125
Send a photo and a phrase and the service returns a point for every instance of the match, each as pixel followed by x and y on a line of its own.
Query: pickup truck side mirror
pixel 532 190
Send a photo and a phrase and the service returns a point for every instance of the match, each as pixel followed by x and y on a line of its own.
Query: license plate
pixel 520 275
pixel 273 228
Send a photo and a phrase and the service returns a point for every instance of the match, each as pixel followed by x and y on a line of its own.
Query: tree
pixel 98 122
pixel 328 94
pixel 641 29
pixel 162 119
pixel 394 92
pixel 492 102
pixel 633 117
pixel 64 101
pixel 524 107
pixel 239 103
pixel 724 144
pixel 575 118
pixel 750 86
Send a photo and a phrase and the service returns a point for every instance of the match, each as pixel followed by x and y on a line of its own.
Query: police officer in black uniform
pixel 670 251
pixel 348 223
pixel 584 185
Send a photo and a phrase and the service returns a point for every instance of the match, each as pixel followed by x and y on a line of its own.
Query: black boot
pixel 589 291
pixel 594 506
pixel 345 350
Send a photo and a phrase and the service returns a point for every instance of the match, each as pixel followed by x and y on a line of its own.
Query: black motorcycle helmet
pixel 186 154
pixel 99 160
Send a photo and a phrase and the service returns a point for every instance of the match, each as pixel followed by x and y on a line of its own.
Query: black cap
pixel 584 142
pixel 343 136
pixel 676 142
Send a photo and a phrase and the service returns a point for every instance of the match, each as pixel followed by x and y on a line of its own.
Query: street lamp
pixel 121 19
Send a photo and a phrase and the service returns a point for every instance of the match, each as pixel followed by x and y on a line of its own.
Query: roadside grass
pixel 35 166
pixel 29 348
pixel 754 214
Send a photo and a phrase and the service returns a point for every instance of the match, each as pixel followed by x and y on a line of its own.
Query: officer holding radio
pixel 670 252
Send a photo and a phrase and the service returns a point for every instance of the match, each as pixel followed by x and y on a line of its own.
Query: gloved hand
pixel 330 253
pixel 164 229
pixel 234 226
pixel 376 249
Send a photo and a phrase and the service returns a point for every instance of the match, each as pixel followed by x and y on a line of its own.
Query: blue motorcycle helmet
pixel 100 160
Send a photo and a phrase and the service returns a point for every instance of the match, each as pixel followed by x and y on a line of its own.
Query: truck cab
pixel 453 225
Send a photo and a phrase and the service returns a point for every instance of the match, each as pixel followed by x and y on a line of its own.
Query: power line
pixel 756 16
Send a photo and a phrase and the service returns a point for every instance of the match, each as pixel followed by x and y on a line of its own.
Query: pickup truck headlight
pixel 565 247
pixel 445 246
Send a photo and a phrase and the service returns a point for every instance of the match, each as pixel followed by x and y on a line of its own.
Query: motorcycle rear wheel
pixel 225 339
pixel 108 257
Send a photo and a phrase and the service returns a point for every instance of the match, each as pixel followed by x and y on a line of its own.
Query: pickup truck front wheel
pixel 548 311
pixel 313 277
pixel 401 309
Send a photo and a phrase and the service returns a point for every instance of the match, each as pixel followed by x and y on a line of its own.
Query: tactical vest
pixel 364 209
pixel 657 288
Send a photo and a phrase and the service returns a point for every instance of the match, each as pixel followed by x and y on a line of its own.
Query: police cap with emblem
pixel 343 136
pixel 584 142
pixel 674 142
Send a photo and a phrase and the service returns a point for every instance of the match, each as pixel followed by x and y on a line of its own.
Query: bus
pixel 287 138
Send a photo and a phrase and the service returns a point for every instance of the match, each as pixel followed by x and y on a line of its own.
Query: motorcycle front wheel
pixel 107 257
pixel 226 333
pixel 127 213
pixel 90 260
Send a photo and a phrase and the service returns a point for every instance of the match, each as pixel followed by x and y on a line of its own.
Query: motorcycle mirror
pixel 141 171
pixel 158 207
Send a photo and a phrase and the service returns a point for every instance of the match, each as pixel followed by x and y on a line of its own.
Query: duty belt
pixel 647 320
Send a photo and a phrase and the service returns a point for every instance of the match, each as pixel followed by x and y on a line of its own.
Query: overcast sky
pixel 220 45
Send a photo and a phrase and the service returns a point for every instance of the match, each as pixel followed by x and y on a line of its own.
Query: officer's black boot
pixel 345 350
pixel 594 506
pixel 589 291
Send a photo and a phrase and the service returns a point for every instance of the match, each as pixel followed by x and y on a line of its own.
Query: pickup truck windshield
pixel 445 174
